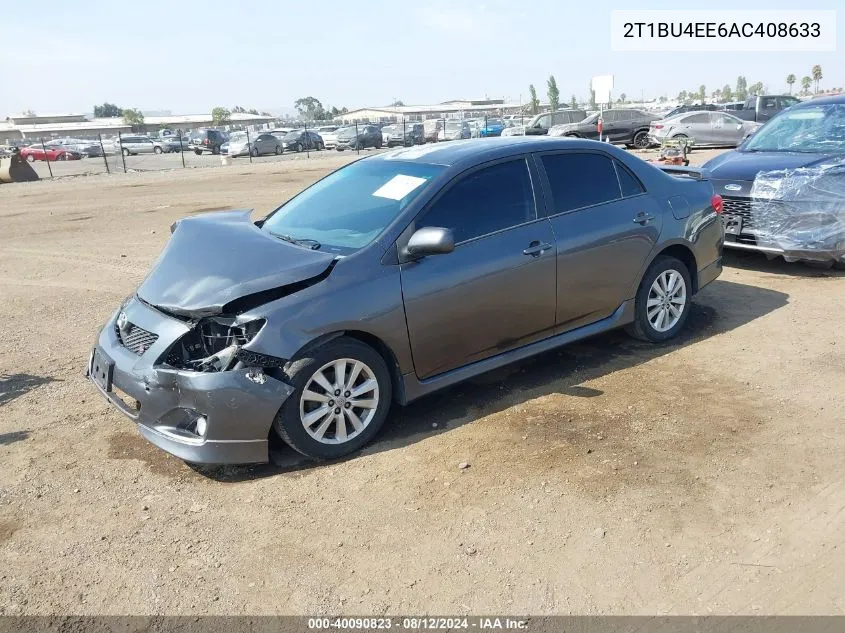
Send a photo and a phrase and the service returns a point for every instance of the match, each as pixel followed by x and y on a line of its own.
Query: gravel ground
pixel 612 476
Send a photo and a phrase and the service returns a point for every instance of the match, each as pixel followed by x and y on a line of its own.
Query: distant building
pixel 30 126
pixel 455 109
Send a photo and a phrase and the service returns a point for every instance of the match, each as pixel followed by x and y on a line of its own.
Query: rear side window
pixel 485 201
pixel 629 183
pixel 698 118
pixel 580 180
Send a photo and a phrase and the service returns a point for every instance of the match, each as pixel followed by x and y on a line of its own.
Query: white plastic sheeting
pixel 801 211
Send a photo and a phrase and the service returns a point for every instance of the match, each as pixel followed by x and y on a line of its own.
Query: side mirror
pixel 431 240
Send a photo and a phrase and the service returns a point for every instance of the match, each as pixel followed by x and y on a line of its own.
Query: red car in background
pixel 49 152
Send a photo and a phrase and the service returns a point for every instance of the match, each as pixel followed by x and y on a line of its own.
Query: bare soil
pixel 612 476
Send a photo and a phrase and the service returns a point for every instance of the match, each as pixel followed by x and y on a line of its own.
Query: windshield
pixel 238 137
pixel 347 131
pixel 591 119
pixel 818 128
pixel 491 122
pixel 349 208
pixel 291 136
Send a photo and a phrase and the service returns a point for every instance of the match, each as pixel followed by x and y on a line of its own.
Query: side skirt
pixel 414 388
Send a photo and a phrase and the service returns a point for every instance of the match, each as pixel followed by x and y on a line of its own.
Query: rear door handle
pixel 535 248
pixel 643 218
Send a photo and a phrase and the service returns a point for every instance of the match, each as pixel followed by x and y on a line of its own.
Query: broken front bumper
pixel 166 403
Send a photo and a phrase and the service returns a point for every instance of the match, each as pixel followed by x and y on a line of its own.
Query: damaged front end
pixel 801 212
pixel 192 385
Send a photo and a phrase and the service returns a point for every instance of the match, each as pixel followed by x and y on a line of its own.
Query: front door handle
pixel 535 248
pixel 643 218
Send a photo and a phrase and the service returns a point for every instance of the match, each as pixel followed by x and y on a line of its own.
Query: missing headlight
pixel 212 345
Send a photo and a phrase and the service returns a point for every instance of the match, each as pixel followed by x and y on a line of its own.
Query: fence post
pixel 120 149
pixel 46 157
pixel 181 149
pixel 103 149
pixel 357 140
pixel 404 131
pixel 307 143
pixel 248 148
pixel 485 125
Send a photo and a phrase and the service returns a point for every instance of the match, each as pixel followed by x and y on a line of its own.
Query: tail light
pixel 657 126
pixel 717 204
pixel 205 141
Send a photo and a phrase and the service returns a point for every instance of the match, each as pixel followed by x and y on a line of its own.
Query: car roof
pixel 821 101
pixel 471 152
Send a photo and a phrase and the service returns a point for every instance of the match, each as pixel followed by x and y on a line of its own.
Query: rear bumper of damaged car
pixel 209 417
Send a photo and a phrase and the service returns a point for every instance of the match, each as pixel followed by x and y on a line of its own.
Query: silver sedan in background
pixel 707 128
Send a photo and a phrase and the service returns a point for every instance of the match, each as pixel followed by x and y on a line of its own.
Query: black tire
pixel 125 152
pixel 288 423
pixel 278 150
pixel 298 147
pixel 30 158
pixel 320 147
pixel 157 150
pixel 254 152
pixel 198 152
pixel 378 144
pixel 839 264
pixel 641 327
pixel 640 140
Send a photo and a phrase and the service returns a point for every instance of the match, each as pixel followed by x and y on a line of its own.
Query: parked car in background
pixel 48 152
pixel 454 130
pixel 543 122
pixel 458 261
pixel 763 108
pixel 717 129
pixel 735 105
pixel 624 126
pixel 782 188
pixel 88 148
pixel 207 140
pixel 175 143
pixel 405 134
pixel 358 138
pixel 490 126
pixel 302 140
pixel 133 144
pixel 432 129
pixel 237 145
pixel 690 108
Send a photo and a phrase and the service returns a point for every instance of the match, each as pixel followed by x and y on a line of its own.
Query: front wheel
pixel 641 140
pixel 278 150
pixel 30 158
pixel 663 301
pixel 198 152
pixel 157 150
pixel 298 147
pixel 341 399
pixel 125 152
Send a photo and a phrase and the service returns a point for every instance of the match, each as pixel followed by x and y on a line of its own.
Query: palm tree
pixel 805 85
pixel 717 95
pixel 790 79
pixel 622 97
pixel 817 75
pixel 702 93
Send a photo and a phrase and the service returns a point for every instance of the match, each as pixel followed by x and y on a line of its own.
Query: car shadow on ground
pixel 748 260
pixel 14 385
pixel 721 307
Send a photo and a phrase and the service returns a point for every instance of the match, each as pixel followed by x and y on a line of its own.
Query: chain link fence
pixel 209 147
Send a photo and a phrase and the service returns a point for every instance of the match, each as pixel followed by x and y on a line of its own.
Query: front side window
pixel 580 180
pixel 485 201
pixel 349 208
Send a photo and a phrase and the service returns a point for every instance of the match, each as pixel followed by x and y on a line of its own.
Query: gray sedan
pixel 395 276
pixel 717 129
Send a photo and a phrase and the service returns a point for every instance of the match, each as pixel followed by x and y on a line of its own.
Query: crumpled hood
pixel 214 258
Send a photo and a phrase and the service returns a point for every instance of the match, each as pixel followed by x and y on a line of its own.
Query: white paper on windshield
pixel 398 187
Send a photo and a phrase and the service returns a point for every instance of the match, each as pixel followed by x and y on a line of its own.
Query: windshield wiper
pixel 312 244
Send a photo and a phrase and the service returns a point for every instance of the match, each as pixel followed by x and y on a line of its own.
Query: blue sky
pixel 188 56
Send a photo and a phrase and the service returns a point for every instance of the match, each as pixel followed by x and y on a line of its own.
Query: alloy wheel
pixel 667 300
pixel 339 401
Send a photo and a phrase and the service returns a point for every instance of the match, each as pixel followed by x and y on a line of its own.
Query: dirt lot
pixel 703 476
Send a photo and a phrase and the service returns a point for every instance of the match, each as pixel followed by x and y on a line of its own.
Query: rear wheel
pixel 30 158
pixel 157 150
pixel 641 140
pixel 341 399
pixel 298 147
pixel 278 150
pixel 662 302
pixel 198 152
pixel 125 152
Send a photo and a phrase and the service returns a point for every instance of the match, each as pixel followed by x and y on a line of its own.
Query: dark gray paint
pixel 438 320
